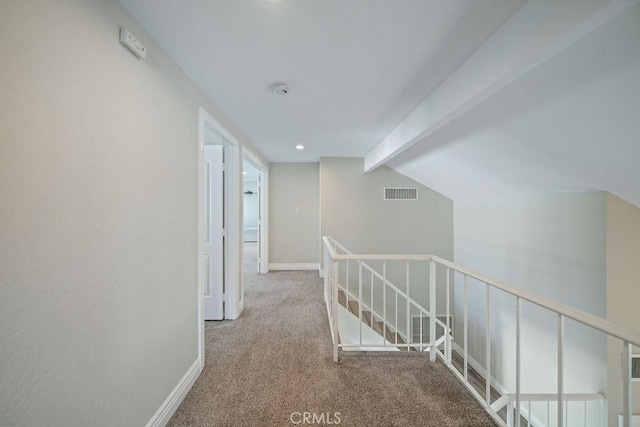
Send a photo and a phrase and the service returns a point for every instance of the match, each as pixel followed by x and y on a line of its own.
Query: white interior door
pixel 214 240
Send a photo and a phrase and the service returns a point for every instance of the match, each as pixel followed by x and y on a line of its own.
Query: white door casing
pixel 259 231
pixel 213 233
pixel 212 132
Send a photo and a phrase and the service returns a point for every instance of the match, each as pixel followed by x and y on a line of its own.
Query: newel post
pixel 432 310
pixel 334 310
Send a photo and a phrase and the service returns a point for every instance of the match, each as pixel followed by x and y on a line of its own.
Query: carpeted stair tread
pixel 366 317
pixel 342 298
pixel 354 307
pixel 378 327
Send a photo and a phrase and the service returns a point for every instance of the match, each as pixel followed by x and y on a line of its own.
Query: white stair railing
pixel 540 410
pixel 627 336
pixel 394 303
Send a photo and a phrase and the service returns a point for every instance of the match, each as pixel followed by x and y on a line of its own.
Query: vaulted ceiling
pixel 467 97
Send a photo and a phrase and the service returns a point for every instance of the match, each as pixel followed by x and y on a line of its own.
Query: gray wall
pixel 354 213
pixel 623 290
pixel 98 217
pixel 293 237
pixel 553 246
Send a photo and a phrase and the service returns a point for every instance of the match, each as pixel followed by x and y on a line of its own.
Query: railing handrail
pixel 553 397
pixel 616 330
pixel 387 282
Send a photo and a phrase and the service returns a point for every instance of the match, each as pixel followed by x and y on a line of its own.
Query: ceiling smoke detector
pixel 281 89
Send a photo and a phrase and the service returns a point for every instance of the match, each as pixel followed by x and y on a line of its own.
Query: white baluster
pixel 432 310
pixel 408 333
pixel 560 369
pixel 384 303
pixel 488 347
pixel 465 328
pixel 334 311
pixel 627 392
pixel 518 355
pixel 360 297
pixel 448 340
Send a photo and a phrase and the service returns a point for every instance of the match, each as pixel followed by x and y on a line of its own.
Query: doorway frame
pixel 233 298
pixel 263 191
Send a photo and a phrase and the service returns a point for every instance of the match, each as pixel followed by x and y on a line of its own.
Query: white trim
pixel 234 303
pixel 264 230
pixel 175 398
pixel 233 226
pixel 294 266
pixel 237 312
pixel 635 419
pixel 264 207
pixel 254 159
pixel 201 228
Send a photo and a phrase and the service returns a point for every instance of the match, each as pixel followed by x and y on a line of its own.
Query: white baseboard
pixel 171 403
pixel 294 266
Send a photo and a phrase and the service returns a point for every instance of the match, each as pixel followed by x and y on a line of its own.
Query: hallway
pixel 250 259
pixel 274 364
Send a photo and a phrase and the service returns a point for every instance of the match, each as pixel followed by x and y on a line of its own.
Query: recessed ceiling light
pixel 299 147
pixel 244 173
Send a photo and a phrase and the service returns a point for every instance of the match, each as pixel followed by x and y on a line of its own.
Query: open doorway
pixel 251 217
pixel 219 224
pixel 255 175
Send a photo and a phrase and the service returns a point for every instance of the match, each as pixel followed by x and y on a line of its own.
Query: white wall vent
pixel 418 331
pixel 401 194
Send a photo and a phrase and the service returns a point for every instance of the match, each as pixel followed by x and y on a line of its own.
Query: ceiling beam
pixel 537 32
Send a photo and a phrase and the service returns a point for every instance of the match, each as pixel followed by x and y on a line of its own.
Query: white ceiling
pixel 572 124
pixel 356 67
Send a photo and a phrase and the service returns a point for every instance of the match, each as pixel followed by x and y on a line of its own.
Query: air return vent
pixel 401 194
pixel 420 333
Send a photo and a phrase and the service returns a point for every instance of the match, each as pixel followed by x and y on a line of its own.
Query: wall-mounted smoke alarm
pixel 132 43
pixel 281 89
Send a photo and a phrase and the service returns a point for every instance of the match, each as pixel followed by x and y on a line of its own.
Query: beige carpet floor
pixel 275 363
